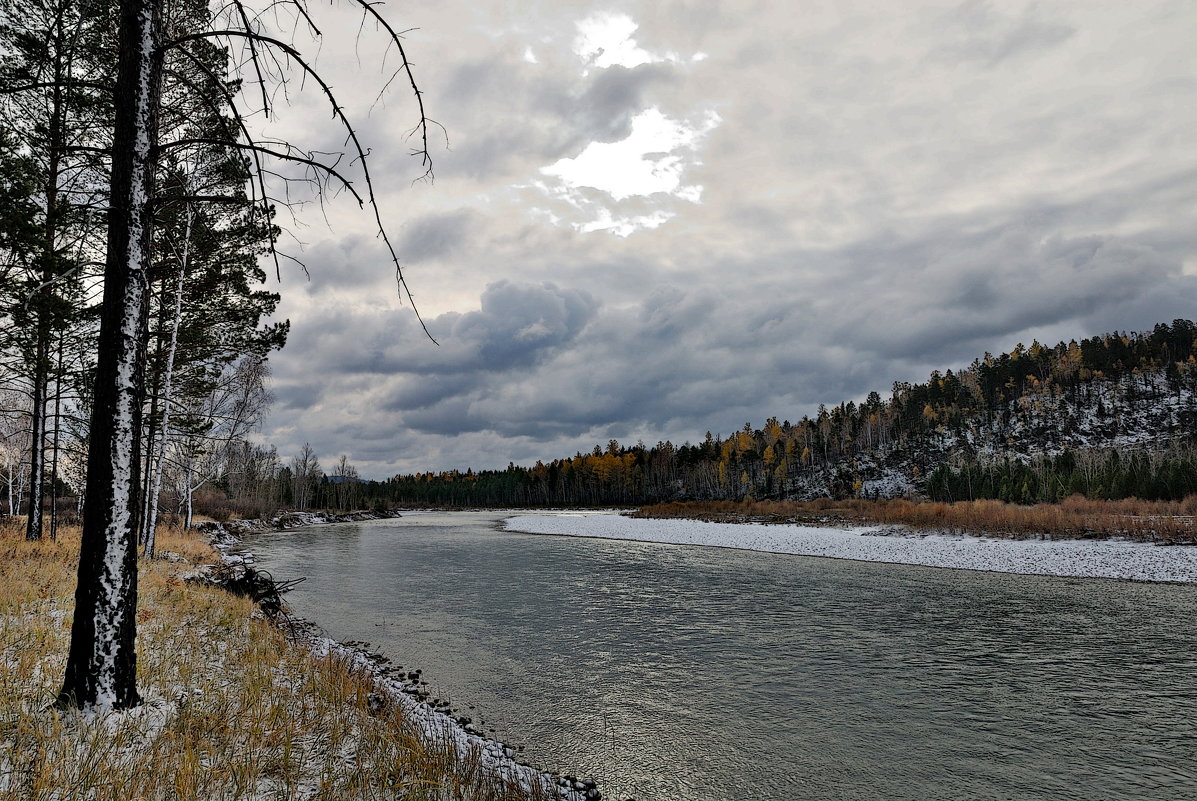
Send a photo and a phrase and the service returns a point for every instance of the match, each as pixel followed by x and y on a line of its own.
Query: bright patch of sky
pixel 649 164
pixel 605 40
pixel 650 160
pixel 625 226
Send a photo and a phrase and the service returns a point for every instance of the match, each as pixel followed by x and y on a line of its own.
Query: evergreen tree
pixel 58 60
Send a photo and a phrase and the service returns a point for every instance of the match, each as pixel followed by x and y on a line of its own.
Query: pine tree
pixel 58 59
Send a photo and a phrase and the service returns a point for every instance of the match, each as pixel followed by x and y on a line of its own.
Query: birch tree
pixel 14 434
pixel 208 317
pixel 305 477
pixel 346 484
pixel 218 423
pixel 18 235
pixel 205 312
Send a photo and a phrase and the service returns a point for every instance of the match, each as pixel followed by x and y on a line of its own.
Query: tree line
pixel 1096 473
pixel 256 483
pixel 980 432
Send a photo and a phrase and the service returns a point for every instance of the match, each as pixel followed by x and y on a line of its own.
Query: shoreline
pixel 1104 559
pixel 436 719
pixel 229 704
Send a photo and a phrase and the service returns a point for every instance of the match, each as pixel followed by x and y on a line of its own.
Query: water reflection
pixel 674 672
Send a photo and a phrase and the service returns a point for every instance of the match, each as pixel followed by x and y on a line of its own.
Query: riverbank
pixel 234 708
pixel 1075 517
pixel 1110 558
pixel 288 520
pixel 226 535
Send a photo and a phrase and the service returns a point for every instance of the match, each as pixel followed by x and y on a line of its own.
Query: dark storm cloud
pixel 296 396
pixel 536 363
pixel 426 390
pixel 937 294
pixel 518 324
pixel 437 235
pixel 516 327
pixel 605 109
pixel 891 190
pixel 512 114
pixel 698 354
pixel 337 265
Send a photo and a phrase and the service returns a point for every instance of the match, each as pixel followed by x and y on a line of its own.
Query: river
pixel 706 674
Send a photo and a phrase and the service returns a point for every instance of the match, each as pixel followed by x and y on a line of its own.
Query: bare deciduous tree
pixel 305 477
pixel 346 484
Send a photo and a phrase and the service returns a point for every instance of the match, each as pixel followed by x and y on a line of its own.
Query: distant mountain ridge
pixel 1107 416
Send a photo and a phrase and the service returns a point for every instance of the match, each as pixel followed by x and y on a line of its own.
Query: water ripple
pixel 672 672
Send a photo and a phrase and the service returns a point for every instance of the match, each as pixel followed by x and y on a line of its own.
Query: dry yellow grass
pixel 1076 516
pixel 233 709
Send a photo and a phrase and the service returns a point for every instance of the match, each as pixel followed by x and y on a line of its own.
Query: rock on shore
pixel 286 520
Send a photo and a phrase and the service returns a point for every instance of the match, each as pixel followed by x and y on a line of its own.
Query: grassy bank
pixel 1074 517
pixel 233 709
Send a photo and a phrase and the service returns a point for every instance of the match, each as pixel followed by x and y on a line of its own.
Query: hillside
pixel 1109 416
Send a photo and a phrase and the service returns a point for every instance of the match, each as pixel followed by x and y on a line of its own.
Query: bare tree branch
pixel 351 133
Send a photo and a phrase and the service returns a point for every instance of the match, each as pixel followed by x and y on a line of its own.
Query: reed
pixel 1165 522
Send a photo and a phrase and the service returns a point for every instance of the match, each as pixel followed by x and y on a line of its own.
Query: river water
pixel 671 672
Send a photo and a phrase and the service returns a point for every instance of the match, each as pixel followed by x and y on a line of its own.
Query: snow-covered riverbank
pixel 1087 558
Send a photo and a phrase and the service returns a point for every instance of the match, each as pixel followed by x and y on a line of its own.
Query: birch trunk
pixel 37 450
pixel 101 671
pixel 156 485
pixel 54 446
pixel 190 495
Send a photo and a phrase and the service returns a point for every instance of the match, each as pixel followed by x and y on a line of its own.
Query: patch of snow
pixel 1118 559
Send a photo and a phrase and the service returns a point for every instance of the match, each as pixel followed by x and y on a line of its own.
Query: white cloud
pixel 605 40
pixel 648 161
pixel 624 226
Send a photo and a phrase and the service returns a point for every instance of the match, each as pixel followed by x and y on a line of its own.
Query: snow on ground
pixel 1089 558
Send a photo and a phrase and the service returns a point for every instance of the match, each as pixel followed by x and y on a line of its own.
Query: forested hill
pixel 1109 416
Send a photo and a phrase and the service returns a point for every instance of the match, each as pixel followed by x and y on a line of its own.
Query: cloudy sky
pixel 655 219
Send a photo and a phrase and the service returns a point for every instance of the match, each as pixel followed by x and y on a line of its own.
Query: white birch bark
pixel 156 482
